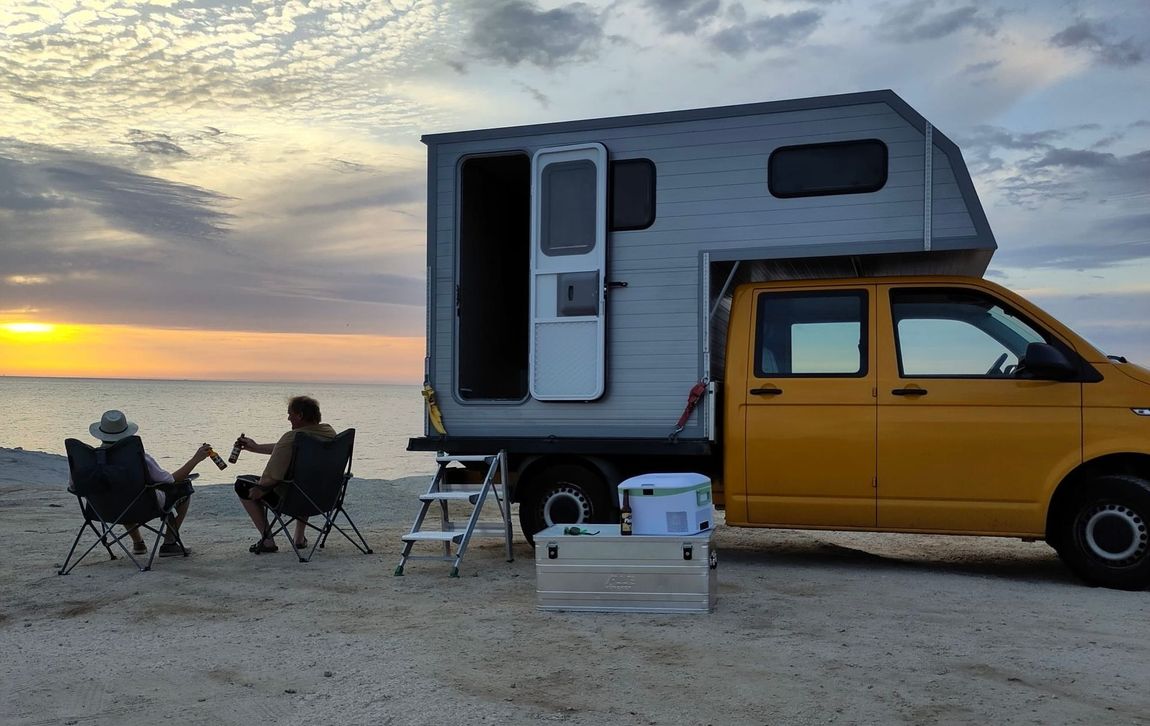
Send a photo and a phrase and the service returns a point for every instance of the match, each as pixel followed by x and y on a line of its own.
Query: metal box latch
pixel 552 551
pixel 688 551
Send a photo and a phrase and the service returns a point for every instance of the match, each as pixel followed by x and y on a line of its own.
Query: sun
pixel 29 327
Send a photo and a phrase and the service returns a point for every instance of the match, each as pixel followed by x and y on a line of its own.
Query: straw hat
pixel 113 426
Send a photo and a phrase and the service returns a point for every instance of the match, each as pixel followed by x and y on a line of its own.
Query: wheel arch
pixel 532 466
pixel 1079 478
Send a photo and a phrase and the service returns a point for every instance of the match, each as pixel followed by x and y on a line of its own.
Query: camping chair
pixel 315 487
pixel 113 488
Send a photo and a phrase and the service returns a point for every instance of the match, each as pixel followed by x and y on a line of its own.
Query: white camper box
pixel 580 273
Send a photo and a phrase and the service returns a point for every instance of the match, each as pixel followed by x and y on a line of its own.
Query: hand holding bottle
pixel 236 448
pixel 216 458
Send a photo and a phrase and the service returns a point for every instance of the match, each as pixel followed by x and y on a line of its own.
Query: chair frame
pixel 105 534
pixel 279 521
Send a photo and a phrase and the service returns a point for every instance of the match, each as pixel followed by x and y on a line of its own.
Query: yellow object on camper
pixel 433 412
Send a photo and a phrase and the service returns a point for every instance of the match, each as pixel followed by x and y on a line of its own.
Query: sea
pixel 175 417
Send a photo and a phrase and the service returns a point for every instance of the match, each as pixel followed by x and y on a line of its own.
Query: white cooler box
pixel 669 503
pixel 608 572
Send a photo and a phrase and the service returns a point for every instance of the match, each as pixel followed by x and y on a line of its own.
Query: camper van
pixel 786 297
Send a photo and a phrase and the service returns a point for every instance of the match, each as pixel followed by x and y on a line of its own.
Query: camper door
pixel 568 267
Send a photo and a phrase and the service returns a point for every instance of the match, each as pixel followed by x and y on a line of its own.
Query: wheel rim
pixel 565 505
pixel 1115 534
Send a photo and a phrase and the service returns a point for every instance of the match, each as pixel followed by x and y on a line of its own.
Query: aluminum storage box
pixel 607 572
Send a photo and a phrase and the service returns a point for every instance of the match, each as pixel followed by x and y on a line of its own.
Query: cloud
pixel 977 69
pixel 515 32
pixel 156 252
pixel 918 20
pixel 540 97
pixel 683 16
pixel 766 32
pixel 1035 167
pixel 128 200
pixel 1096 39
pixel 1085 254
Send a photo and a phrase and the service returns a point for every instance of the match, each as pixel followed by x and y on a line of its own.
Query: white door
pixel 568 268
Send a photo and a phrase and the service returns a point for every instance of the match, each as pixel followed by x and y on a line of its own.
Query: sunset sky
pixel 221 189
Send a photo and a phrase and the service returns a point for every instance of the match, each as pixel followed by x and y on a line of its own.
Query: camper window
pixel 845 167
pixel 568 208
pixel 632 194
pixel 811 334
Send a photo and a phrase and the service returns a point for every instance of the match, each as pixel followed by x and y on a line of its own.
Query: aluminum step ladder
pixel 444 491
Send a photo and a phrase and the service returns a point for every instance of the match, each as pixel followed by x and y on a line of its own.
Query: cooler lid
pixel 665 482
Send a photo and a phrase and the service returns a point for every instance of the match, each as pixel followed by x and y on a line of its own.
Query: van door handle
pixel 909 391
pixel 765 391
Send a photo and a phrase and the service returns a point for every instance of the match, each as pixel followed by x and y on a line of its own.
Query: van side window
pixel 814 334
pixel 957 333
pixel 632 194
pixel 843 167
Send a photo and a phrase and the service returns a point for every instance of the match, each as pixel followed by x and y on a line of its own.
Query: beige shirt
pixel 281 453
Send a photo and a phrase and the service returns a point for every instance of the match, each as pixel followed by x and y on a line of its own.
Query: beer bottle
pixel 235 455
pixel 216 458
pixel 625 522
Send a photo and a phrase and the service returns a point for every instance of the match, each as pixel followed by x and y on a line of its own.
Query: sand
pixel 810 628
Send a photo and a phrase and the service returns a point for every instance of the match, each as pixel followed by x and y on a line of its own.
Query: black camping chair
pixel 315 487
pixel 113 488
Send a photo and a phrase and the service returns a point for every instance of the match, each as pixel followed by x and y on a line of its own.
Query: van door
pixel 568 268
pixel 810 408
pixel 966 442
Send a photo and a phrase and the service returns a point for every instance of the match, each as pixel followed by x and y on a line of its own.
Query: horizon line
pixel 214 380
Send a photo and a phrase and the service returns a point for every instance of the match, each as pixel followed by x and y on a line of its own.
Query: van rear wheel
pixel 562 494
pixel 1105 535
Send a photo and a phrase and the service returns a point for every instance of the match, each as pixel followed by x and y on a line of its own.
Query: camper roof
pixel 886 96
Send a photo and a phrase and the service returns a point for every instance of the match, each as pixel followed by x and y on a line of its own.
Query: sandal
pixel 139 548
pixel 302 544
pixel 260 547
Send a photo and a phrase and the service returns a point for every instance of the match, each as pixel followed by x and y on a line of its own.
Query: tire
pixel 563 494
pixel 1104 536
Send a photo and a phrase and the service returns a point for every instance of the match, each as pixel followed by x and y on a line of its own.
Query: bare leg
pixel 300 530
pixel 174 523
pixel 134 533
pixel 259 518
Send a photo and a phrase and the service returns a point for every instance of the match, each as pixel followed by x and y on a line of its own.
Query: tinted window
pixel 568 208
pixel 811 334
pixel 958 333
pixel 632 194
pixel 848 167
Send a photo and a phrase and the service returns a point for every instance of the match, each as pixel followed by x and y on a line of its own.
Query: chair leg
pixel 364 547
pixel 64 569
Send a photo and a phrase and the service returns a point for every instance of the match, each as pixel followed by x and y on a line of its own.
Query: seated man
pixel 258 492
pixel 112 427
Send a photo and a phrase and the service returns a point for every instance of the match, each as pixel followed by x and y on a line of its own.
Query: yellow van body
pixel 909 434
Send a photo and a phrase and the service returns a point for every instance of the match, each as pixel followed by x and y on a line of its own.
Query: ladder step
pixel 465 457
pixel 448 496
pixel 433 536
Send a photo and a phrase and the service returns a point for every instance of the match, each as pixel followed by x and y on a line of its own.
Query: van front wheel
pixel 1105 537
pixel 563 494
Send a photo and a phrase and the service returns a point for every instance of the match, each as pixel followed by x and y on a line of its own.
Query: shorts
pixel 244 484
pixel 173 491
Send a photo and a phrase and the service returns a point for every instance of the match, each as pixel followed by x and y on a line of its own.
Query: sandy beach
pixel 810 628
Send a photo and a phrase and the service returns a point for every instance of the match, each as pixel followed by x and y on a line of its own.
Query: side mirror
pixel 1046 362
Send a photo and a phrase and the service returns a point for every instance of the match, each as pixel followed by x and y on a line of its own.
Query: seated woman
pixel 112 427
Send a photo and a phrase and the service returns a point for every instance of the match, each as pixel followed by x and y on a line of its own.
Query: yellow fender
pixel 433 412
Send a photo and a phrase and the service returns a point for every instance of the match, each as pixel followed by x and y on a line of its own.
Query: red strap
pixel 693 397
